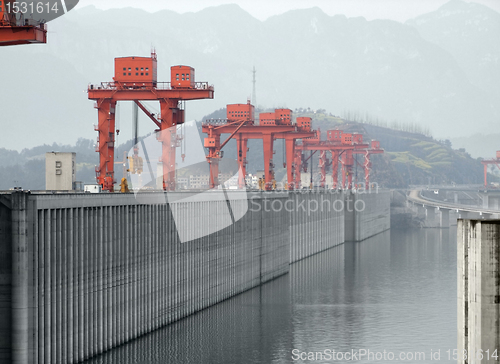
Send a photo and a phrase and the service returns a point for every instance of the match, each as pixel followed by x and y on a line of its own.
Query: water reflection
pixel 393 292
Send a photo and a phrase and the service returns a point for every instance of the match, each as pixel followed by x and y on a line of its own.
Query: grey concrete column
pixel 484 255
pixel 444 218
pixel 462 286
pixel 486 199
pixel 495 203
pixel 455 197
pixel 421 212
pixel 478 287
pixel 431 216
pixel 19 279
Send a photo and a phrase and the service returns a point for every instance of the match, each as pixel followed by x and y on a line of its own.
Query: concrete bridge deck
pixel 416 197
pixel 436 213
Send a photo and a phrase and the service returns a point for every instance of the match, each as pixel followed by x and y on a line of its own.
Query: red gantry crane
pixel 342 147
pixel 488 162
pixel 16 30
pixel 241 126
pixel 136 80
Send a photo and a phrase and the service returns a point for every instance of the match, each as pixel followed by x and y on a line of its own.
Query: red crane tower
pixel 240 125
pixel 367 164
pixel 136 80
pixel 342 147
pixel 486 163
pixel 16 31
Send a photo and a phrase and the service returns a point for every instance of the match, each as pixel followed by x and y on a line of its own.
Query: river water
pixel 395 292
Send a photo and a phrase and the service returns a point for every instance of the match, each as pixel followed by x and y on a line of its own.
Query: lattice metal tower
pixel 254 93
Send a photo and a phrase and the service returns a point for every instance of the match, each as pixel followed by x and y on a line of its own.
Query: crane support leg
pixel 322 168
pixel 242 159
pixel 168 136
pixel 214 172
pixel 485 176
pixel 344 174
pixel 335 169
pixel 214 155
pixel 106 129
pixel 268 160
pixel 290 155
pixel 367 168
pixel 298 168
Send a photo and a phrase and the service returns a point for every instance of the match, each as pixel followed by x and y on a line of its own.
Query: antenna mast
pixel 254 94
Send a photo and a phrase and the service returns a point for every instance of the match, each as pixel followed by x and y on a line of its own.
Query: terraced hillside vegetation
pixel 410 158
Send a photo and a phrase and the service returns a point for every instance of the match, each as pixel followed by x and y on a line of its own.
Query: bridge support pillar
pixel 421 212
pixel 455 197
pixel 478 285
pixel 486 200
pixel 431 220
pixel 494 203
pixel 444 218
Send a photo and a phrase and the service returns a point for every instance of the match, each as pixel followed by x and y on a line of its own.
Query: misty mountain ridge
pixel 412 72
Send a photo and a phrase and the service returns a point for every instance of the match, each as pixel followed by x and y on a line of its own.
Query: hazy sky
pixel 400 10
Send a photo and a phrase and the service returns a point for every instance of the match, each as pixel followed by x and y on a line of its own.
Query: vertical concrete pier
pixel 444 218
pixel 431 220
pixel 19 279
pixel 478 290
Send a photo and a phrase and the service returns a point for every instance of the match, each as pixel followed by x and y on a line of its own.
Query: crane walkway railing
pixel 147 86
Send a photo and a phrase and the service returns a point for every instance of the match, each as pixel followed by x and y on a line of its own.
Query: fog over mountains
pixel 441 69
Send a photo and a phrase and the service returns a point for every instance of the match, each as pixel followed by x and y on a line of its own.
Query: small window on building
pixel 147 74
pixel 137 73
pixel 142 73
pixel 137 68
pixel 187 77
pixel 147 68
pixel 58 172
pixel 142 68
pixel 130 69
pixel 124 73
pixel 129 74
pixel 58 164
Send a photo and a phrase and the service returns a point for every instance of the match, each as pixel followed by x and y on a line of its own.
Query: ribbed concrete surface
pixel 5 283
pixel 81 274
pixel 103 271
pixel 366 214
pixel 316 222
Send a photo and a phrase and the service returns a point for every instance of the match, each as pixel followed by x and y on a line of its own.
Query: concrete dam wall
pixel 366 214
pixel 82 273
